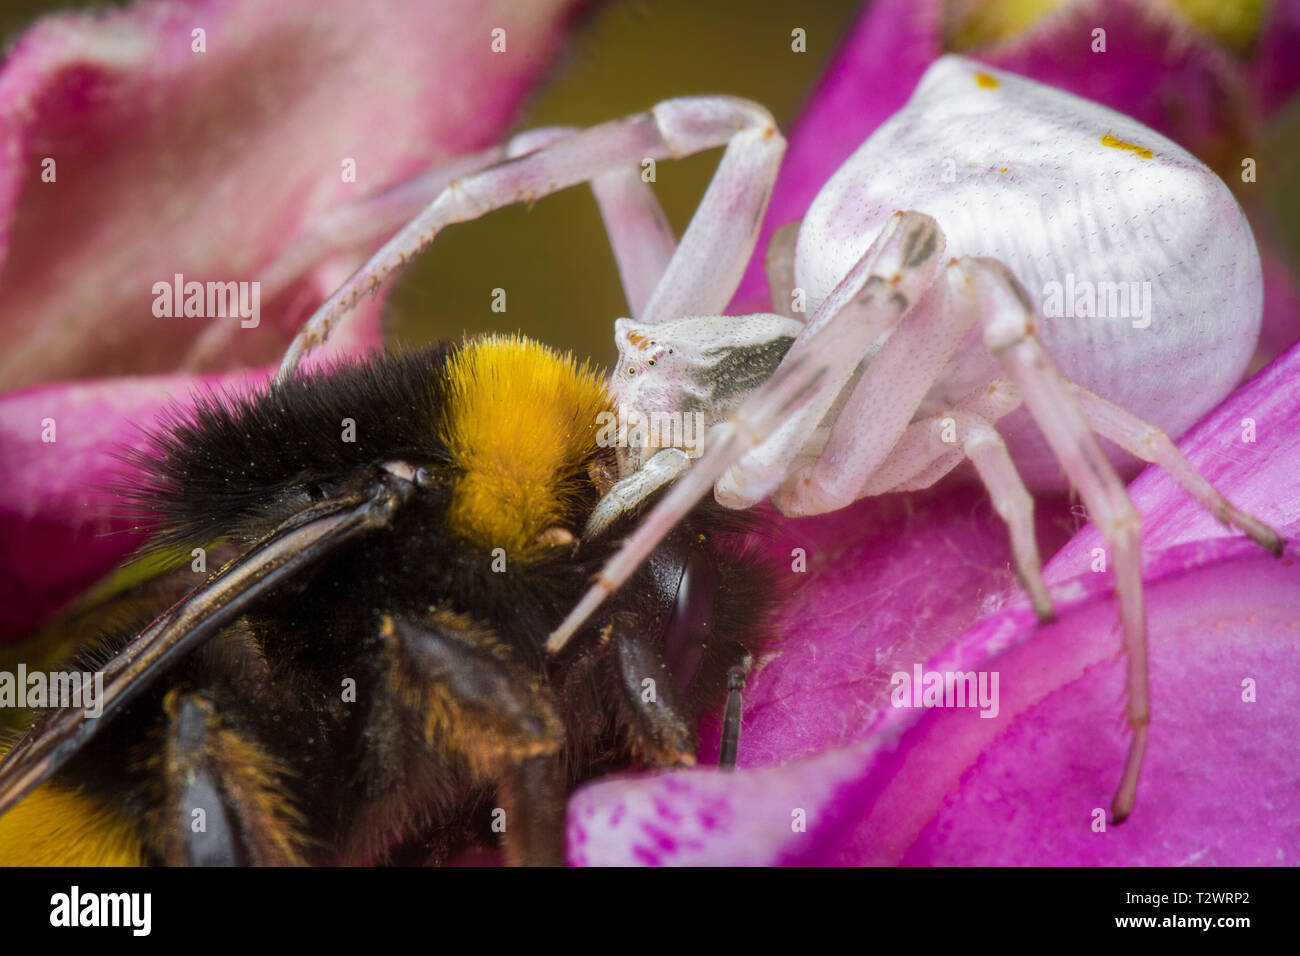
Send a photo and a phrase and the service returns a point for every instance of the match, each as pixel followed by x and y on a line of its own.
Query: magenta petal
pixel 892 580
pixel 57 534
pixel 1220 784
pixel 212 164
pixel 1275 70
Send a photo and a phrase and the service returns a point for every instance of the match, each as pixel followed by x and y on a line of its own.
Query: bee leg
pixel 220 804
pixel 532 794
pixel 655 717
pixel 736 677
pixel 467 696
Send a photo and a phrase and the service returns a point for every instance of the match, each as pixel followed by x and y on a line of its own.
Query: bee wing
pixel 298 543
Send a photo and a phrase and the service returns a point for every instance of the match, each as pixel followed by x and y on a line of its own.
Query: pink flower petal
pixel 1220 784
pixel 707 817
pixel 1275 69
pixel 57 531
pixel 891 581
pixel 212 164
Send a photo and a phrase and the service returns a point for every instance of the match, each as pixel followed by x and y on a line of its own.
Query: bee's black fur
pixel 242 459
pixel 360 773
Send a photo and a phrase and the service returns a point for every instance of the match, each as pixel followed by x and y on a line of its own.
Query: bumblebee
pixel 365 680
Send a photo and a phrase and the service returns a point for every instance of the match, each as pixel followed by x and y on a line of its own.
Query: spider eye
pixel 651 362
pixel 631 371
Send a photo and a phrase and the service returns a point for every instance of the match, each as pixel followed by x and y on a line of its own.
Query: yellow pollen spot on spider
pixel 1003 169
pixel 1116 143
pixel 986 81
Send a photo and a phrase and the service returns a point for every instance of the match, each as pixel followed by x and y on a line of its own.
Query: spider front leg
pixel 707 264
pixel 874 446
pixel 881 405
pixel 638 231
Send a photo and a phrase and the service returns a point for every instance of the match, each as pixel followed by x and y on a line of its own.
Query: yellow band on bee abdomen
pixel 53 826
pixel 521 424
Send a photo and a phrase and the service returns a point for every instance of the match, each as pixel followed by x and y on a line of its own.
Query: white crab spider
pixel 914 260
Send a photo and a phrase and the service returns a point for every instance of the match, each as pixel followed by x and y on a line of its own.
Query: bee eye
pixel 316 493
pixel 690 623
